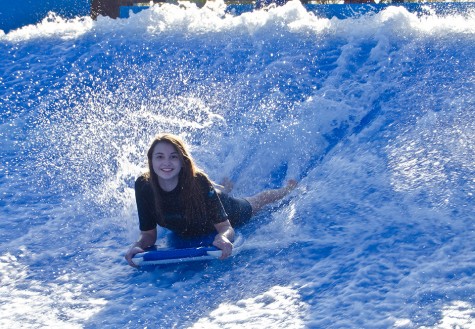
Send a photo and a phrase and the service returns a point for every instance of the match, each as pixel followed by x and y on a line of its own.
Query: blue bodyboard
pixel 178 250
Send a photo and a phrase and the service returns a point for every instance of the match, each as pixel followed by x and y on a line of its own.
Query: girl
pixel 177 195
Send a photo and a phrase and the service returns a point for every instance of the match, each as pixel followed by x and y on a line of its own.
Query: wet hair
pixel 192 194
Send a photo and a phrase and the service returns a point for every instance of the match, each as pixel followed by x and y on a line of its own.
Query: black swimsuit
pixel 219 207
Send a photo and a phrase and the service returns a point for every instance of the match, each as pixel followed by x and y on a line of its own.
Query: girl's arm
pixel 146 239
pixel 223 238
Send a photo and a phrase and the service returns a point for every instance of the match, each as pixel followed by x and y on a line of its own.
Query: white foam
pixel 31 303
pixel 52 26
pixel 279 307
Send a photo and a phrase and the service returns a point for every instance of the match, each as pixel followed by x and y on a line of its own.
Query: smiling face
pixel 167 165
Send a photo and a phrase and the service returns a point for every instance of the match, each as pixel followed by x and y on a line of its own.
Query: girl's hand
pixel 147 238
pixel 131 253
pixel 223 243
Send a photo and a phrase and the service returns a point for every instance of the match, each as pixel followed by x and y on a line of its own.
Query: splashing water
pixel 373 113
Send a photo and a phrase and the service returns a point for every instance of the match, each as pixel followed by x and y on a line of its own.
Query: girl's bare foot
pixel 227 185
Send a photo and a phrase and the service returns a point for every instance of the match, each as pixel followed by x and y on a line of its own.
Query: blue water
pixel 374 114
pixel 23 12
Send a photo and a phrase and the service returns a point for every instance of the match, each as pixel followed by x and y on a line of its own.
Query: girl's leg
pixel 264 198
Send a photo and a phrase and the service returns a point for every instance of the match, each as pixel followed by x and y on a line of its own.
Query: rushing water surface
pixel 374 114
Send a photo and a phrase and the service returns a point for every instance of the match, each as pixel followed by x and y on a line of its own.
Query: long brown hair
pixel 192 194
